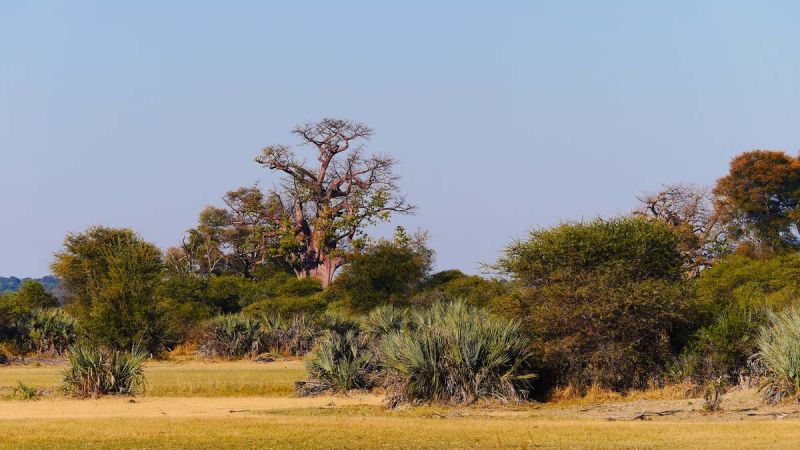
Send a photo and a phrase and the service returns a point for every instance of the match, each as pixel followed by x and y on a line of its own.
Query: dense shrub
pixel 604 300
pixel 450 285
pixel 385 272
pixel 779 353
pixel 736 296
pixel 93 371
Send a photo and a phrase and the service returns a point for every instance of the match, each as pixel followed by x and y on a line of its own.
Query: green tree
pixel 32 294
pixel 760 198
pixel 385 272
pixel 110 276
pixel 604 299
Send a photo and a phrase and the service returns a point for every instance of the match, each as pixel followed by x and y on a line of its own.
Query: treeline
pixel 697 284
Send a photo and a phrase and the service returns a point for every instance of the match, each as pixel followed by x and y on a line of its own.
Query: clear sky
pixel 504 116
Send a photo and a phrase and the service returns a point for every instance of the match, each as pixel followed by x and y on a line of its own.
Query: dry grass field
pixel 250 405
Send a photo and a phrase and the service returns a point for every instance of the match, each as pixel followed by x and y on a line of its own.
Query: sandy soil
pixel 57 408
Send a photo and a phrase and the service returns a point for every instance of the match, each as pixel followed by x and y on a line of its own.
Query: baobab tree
pixel 692 212
pixel 326 205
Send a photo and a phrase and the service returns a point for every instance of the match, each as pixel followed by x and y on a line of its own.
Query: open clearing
pixel 249 405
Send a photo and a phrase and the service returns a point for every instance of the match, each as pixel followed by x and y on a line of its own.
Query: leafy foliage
pixel 735 298
pixel 761 199
pixel 49 331
pixel 110 276
pixel 604 299
pixel 385 272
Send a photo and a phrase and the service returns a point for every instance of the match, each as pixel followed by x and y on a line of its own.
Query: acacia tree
pixel 325 206
pixel 690 211
pixel 760 199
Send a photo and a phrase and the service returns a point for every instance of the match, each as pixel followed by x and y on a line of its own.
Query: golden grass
pixel 569 395
pixel 386 431
pixel 183 379
pixel 193 404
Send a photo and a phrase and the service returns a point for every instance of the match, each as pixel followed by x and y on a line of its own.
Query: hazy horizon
pixel 502 117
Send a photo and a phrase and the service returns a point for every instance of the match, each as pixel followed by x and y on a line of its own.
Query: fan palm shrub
pixel 293 337
pixel 384 320
pixel 95 371
pixel 455 353
pixel 339 362
pixel 50 331
pixel 779 354
pixel 231 336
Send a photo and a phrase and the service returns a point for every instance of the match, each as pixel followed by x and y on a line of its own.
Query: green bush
pixel 450 285
pixel 385 272
pixel 779 353
pixel 604 300
pixel 735 297
pixel 93 372
pixel 456 354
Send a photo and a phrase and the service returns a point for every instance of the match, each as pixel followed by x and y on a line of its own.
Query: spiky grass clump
pixel 338 362
pixel 384 320
pixel 26 392
pixel 94 372
pixel 454 353
pixel 779 354
pixel 231 336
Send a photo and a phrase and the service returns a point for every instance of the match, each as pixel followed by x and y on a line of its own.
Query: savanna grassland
pixel 243 404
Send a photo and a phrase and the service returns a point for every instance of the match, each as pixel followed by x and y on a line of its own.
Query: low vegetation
pixel 93 372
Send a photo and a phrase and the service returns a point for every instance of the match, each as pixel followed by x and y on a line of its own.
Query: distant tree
pixel 325 207
pixel 692 214
pixel 604 299
pixel 110 276
pixel 760 199
pixel 385 271
pixel 452 285
pixel 32 294
pixel 232 240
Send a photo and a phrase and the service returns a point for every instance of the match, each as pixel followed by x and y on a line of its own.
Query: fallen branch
pixel 775 415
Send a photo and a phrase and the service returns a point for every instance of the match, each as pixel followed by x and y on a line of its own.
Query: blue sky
pixel 504 116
